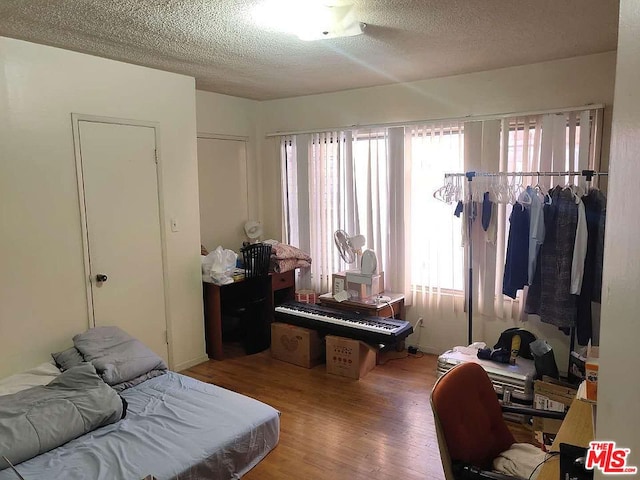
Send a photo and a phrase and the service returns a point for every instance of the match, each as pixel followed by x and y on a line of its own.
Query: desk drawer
pixel 283 280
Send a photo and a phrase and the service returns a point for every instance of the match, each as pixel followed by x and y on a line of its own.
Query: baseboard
pixel 429 350
pixel 190 363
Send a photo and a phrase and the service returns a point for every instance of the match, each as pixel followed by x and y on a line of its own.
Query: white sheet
pixel 40 375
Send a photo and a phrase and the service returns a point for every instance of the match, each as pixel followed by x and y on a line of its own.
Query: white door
pixel 222 183
pixel 120 183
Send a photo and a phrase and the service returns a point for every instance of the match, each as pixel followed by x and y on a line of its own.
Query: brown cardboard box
pixel 296 345
pixel 349 358
pixel 553 397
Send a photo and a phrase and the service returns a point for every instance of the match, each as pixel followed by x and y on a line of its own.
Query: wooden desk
pixel 394 308
pixel 282 289
pixel 576 429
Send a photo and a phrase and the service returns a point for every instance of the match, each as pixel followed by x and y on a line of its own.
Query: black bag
pixel 526 337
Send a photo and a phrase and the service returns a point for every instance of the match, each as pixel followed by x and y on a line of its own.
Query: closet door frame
pixel 245 140
pixel 76 118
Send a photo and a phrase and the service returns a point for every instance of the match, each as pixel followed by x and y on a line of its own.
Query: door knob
pixel 101 277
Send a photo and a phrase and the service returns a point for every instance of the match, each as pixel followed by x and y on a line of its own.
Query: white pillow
pixel 40 375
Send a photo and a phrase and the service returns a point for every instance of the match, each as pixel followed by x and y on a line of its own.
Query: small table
pixel 283 286
pixel 576 429
pixel 368 306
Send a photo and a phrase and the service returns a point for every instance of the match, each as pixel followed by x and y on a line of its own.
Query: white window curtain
pixel 380 183
pixel 437 276
pixel 343 180
pixel 568 141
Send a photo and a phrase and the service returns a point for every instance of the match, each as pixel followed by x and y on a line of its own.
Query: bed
pixel 175 427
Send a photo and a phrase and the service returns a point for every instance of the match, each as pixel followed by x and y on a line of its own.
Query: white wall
pixel 549 85
pixel 619 380
pixel 42 285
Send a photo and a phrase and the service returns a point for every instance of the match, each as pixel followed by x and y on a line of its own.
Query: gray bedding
pixel 176 428
pixel 42 418
pixel 117 356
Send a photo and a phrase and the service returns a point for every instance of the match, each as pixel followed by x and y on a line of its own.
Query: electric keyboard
pixel 343 323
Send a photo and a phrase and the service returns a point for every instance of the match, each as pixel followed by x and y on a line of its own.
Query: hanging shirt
pixel 536 230
pixel 516 265
pixel 595 204
pixel 491 235
pixel 556 305
pixel 486 211
pixel 579 251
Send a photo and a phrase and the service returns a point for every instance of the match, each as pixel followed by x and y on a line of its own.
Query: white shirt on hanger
pixel 579 250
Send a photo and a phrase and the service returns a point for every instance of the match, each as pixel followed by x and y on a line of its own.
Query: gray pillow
pixel 67 358
pixel 117 356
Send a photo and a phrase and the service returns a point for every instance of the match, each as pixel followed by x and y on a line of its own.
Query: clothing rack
pixel 588 174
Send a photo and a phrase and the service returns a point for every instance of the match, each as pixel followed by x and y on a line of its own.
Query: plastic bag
pixel 220 264
pixel 544 359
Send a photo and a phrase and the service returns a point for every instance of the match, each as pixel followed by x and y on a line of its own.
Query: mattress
pixel 516 379
pixel 176 428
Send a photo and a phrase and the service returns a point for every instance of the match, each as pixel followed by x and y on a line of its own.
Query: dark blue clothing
pixel 486 211
pixel 516 269
pixel 595 205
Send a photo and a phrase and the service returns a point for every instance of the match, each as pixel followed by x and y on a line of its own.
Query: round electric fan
pixel 253 229
pixel 348 247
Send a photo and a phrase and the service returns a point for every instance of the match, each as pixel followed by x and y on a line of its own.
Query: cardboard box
pixel 576 371
pixel 296 345
pixel 552 397
pixel 338 282
pixel 592 365
pixel 348 357
pixel 364 286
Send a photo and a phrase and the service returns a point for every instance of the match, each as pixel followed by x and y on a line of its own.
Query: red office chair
pixel 469 423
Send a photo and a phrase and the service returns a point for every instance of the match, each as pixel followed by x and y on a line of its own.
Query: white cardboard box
pixel 365 285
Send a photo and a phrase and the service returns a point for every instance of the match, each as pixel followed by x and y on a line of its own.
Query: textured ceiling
pixel 217 42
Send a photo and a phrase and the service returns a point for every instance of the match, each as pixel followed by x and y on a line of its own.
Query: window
pixel 381 182
pixel 437 255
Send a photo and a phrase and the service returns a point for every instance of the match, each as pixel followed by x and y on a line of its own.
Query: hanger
pixel 574 190
pixel 442 192
pixel 544 196
pixel 522 194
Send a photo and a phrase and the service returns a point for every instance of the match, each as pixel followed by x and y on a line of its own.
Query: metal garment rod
pixel 471 175
pixel 589 174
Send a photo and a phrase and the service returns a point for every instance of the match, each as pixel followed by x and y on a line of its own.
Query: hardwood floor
pixel 378 427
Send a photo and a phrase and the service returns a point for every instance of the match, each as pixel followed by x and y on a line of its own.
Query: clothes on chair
pixel 472 433
pixel 520 460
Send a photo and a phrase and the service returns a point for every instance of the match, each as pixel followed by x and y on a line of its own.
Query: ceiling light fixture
pixel 309 19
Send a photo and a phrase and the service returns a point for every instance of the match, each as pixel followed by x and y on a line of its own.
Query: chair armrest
pixel 533 412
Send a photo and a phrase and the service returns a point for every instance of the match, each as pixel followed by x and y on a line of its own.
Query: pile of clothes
pixel 286 257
